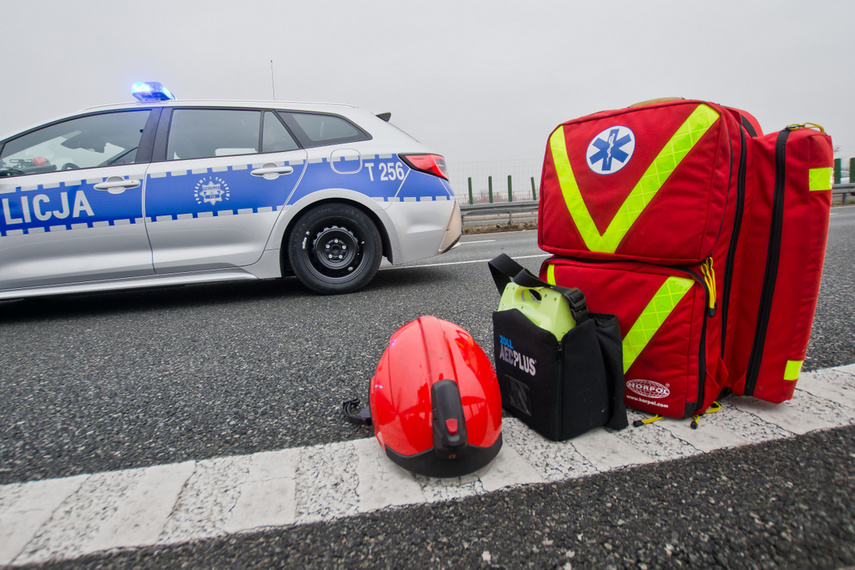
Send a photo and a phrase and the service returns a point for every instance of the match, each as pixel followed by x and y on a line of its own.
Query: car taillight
pixel 429 163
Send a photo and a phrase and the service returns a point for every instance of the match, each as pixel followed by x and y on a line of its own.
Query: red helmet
pixel 435 400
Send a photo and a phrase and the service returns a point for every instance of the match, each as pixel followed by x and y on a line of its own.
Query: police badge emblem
pixel 211 189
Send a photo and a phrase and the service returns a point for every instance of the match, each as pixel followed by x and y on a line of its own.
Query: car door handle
pixel 271 171
pixel 116 184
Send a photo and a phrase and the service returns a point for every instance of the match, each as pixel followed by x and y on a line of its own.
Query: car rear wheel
pixel 334 248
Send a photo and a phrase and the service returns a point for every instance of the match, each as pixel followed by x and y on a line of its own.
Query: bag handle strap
pixel 505 270
pixel 356 414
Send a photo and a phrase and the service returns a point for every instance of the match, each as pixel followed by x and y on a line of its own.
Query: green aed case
pixel 545 307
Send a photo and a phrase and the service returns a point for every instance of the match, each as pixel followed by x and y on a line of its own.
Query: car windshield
pixel 95 140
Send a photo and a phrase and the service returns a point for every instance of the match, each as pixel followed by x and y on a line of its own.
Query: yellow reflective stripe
pixel 793 369
pixel 689 133
pixel 820 179
pixel 660 306
pixel 550 274
pixel 572 196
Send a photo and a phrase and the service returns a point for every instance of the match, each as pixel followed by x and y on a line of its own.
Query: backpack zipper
pixel 734 238
pixel 707 281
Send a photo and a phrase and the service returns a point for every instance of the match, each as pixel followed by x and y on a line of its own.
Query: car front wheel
pixel 334 248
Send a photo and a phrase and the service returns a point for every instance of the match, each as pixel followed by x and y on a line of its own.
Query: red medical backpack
pixel 662 214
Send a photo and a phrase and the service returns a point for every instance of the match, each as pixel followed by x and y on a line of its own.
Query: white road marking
pixel 708 436
pixel 60 519
pixel 24 509
pixel 464 262
pixel 269 493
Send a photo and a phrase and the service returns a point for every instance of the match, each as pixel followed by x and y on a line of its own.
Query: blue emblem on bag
pixel 611 150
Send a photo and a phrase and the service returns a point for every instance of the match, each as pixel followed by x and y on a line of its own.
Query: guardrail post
pixel 534 189
pixel 851 166
pixel 490 188
pixel 471 201
pixel 510 190
pixel 837 171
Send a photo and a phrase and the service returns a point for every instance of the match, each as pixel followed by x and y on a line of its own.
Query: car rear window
pixel 319 129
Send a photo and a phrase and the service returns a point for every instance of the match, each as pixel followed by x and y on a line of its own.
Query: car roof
pixel 351 111
pixel 251 104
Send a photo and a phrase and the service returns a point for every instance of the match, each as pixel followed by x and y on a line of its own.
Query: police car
pixel 165 192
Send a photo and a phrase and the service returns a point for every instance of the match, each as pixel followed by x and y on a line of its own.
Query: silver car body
pixel 170 220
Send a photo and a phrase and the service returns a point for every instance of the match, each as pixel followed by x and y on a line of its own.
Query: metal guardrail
pixel 490 213
pixel 498 208
pixel 502 209
pixel 844 190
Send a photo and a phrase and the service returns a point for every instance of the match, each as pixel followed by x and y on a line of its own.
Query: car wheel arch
pixel 378 217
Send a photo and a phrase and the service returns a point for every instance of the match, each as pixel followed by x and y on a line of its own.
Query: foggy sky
pixel 476 80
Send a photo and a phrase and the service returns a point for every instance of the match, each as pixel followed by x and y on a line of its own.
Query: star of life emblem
pixel 211 190
pixel 611 150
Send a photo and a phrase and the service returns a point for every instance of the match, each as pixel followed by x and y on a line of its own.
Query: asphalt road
pixel 104 382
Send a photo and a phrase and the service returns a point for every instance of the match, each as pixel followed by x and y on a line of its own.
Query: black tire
pixel 334 248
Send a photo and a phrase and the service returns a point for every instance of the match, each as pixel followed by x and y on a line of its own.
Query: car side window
pixel 319 129
pixel 208 133
pixel 104 139
pixel 275 137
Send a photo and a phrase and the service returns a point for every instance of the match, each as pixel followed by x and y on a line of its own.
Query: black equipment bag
pixel 561 389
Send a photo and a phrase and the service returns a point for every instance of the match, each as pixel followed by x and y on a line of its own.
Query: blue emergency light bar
pixel 151 91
